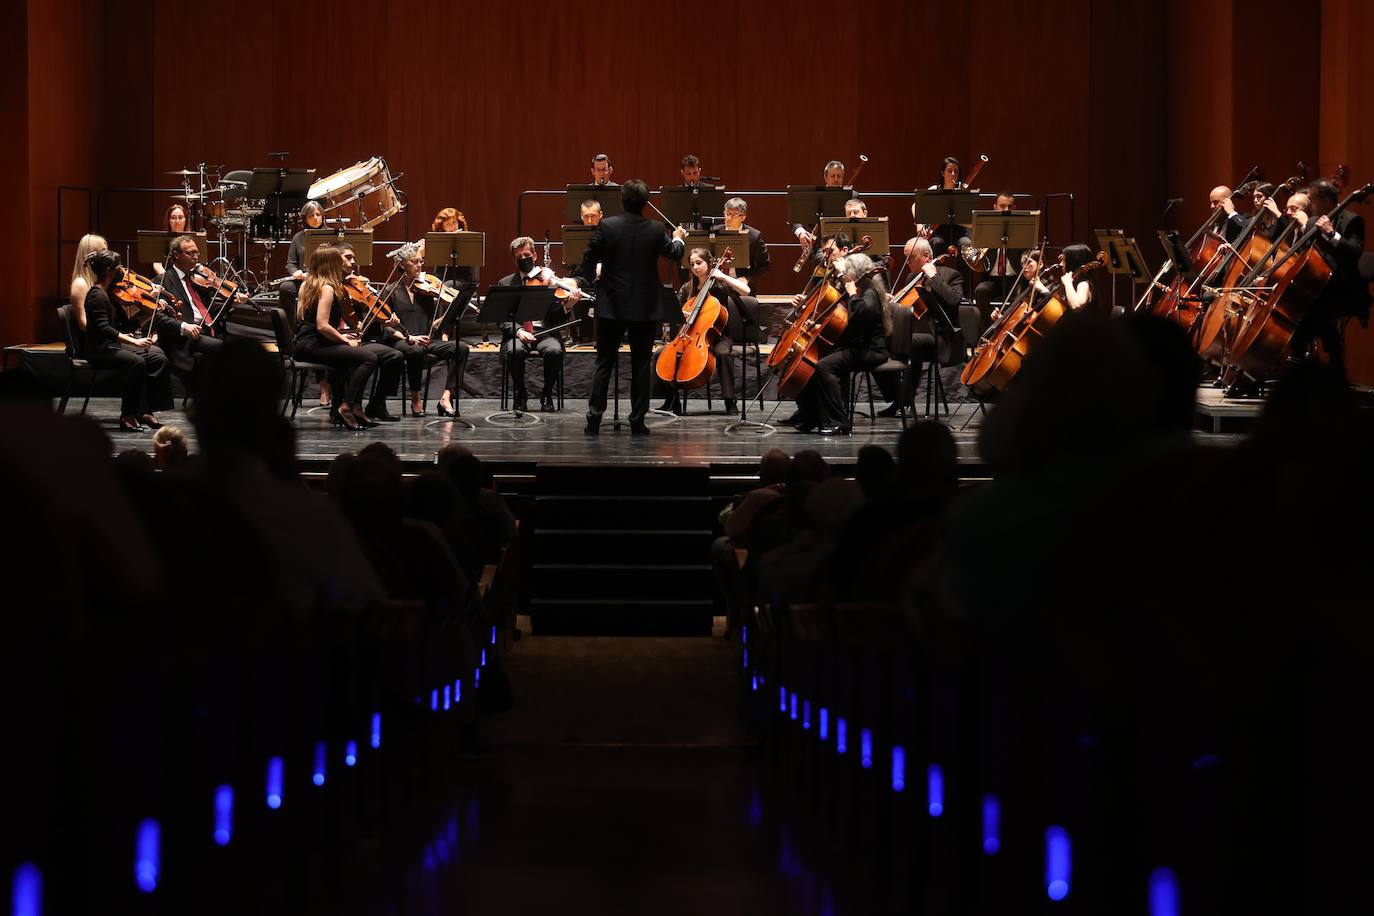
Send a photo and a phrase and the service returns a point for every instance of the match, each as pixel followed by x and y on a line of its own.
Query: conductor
pixel 627 246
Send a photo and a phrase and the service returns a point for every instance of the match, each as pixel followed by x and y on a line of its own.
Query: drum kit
pixel 361 196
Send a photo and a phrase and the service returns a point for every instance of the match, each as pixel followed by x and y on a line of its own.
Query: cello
pixel 998 361
pixel 689 359
pixel 1298 278
pixel 817 338
pixel 816 298
pixel 910 295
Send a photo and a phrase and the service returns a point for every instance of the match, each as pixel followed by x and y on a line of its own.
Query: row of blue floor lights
pixel 1163 886
pixel 26 886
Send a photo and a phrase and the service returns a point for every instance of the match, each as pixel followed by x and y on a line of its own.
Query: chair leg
pixel 872 409
pixel 562 364
pixel 424 395
pixel 66 392
pixel 90 386
pixel 901 395
pixel 300 391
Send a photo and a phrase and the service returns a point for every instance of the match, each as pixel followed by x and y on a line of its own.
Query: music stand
pixel 456 249
pixel 858 227
pixel 1123 257
pixel 686 206
pixel 1014 229
pixel 575 241
pixel 155 246
pixel 514 304
pixel 945 208
pixel 606 195
pixel 808 204
pixel 279 185
pixel 360 239
pixel 1177 252
pixel 716 243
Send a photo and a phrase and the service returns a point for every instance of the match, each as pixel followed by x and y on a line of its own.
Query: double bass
pixel 909 296
pixel 689 359
pixel 1022 326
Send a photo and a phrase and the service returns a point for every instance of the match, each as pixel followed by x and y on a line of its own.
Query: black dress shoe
pixel 593 428
pixel 669 406
pixel 890 410
pixel 731 407
pixel 546 403
pixel 833 430
pixel 805 427
pixel 379 413
pixel 794 420
pixel 639 429
pixel 521 405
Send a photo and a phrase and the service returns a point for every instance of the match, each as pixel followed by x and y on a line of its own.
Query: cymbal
pixel 182 172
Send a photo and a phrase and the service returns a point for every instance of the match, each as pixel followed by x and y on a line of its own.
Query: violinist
pixel 1340 242
pixel 323 308
pixel 414 304
pixel 941 289
pixel 548 347
pixel 833 176
pixel 601 170
pixel 728 290
pixel 83 279
pixel 863 345
pixel 196 328
pixel 1002 267
pixel 375 329
pixel 1079 295
pixel 176 221
pixel 111 344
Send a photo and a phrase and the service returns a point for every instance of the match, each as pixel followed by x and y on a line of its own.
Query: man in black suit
pixel 201 314
pixel 1340 242
pixel 601 170
pixel 627 246
pixel 1004 264
pixel 934 336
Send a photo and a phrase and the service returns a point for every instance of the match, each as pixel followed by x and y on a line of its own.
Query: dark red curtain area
pixel 1122 105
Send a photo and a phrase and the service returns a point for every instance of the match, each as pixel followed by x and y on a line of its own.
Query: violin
pixel 428 284
pixel 206 278
pixel 136 292
pixel 910 295
pixel 688 360
pixel 364 298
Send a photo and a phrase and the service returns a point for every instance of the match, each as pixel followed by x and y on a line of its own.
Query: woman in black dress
pixel 323 309
pixel 109 344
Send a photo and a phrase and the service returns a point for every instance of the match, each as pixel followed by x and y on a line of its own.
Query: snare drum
pixel 363 194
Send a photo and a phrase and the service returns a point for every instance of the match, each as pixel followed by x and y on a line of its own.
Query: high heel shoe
pixel 345 420
pixel 130 425
pixel 364 421
pixel 445 412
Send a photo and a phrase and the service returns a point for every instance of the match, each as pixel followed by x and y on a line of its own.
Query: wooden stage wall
pixel 1124 104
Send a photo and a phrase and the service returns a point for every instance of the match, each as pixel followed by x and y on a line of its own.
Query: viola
pixel 688 360
pixel 136 292
pixel 910 295
pixel 428 284
pixel 365 299
pixel 206 278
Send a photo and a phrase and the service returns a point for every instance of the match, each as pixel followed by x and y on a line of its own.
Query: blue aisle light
pixel 825 724
pixel 351 754
pixel 898 768
pixel 376 732
pixel 224 815
pixel 935 790
pixel 1163 892
pixel 434 700
pixel 493 634
pixel 275 770
pixel 841 736
pixel 992 824
pixel 448 697
pixel 866 748
pixel 147 855
pixel 458 691
pixel 806 714
pixel 792 707
pixel 26 891
pixel 1058 863
pixel 321 751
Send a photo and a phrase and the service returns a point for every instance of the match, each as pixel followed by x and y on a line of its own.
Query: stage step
pixel 621 550
pixel 622 617
pixel 596 545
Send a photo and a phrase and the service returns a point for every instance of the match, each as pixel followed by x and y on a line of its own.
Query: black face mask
pixel 525 263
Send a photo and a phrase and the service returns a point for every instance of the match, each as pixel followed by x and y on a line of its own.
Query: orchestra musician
pixel 1340 242
pixel 198 330
pixel 413 333
pixel 83 278
pixel 390 362
pixel 1078 295
pixel 548 347
pixel 833 176
pixel 175 220
pixel 691 173
pixel 862 345
pixel 628 247
pixel 951 179
pixel 601 170
pixel 322 309
pixel 451 219
pixel 736 211
pixel 832 251
pixel 590 212
pixel 727 290
pixel 1234 223
pixel 1002 267
pixel 1030 270
pixel 312 216
pixel 855 208
pixel 111 343
pixel 933 337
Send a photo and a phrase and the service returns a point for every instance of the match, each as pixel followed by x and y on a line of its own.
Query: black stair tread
pixel 638 532
pixel 628 602
pixel 619 497
pixel 637 567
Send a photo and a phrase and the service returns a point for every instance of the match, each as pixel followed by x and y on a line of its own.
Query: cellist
pixel 833 249
pixel 863 345
pixel 729 288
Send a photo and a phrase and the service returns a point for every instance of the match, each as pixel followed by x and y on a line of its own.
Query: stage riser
pixel 673 547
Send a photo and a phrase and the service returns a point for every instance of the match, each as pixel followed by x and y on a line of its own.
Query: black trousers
pixel 147 386
pixel 987 295
pixel 352 366
pixel 822 400
pixel 725 370
pixel 516 353
pixel 453 354
pixel 609 333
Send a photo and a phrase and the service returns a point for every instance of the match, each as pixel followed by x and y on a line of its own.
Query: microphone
pixel 277 155
pixel 710 178
pixel 1169 205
